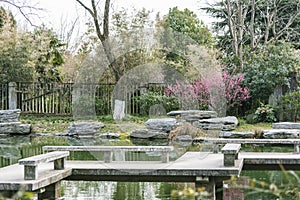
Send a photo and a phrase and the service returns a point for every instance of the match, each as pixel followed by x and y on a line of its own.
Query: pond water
pixel 251 185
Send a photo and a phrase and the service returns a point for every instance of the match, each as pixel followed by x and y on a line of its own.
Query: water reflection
pixel 251 185
pixel 77 190
pixel 88 190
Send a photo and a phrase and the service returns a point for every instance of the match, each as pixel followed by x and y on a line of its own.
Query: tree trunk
pixel 251 26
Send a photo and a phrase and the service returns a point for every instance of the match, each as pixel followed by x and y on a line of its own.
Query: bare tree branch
pixel 26 10
pixel 85 7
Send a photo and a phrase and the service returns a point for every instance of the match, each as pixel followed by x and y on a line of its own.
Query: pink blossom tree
pixel 235 92
pixel 190 95
pixel 213 90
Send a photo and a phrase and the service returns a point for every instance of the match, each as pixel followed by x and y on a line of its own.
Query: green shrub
pixel 290 105
pixel 102 106
pixel 147 100
pixel 264 113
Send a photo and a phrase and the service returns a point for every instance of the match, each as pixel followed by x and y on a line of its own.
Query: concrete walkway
pixel 12 177
pixel 202 168
pixel 187 168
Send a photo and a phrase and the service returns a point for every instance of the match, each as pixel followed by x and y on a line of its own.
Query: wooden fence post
pixel 12 96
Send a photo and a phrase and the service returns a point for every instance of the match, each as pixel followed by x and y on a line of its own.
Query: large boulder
pixel 9 123
pixel 286 125
pixel 148 134
pixel 281 133
pixel 9 115
pixel 15 128
pixel 161 124
pixel 85 129
pixel 193 115
pixel 223 123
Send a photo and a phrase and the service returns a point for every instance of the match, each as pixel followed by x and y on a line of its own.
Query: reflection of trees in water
pixel 121 190
pixel 105 190
pixel 88 189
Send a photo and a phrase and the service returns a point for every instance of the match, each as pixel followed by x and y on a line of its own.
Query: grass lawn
pixel 60 124
pixel 244 127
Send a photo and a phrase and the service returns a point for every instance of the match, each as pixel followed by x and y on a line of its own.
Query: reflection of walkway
pixel 203 168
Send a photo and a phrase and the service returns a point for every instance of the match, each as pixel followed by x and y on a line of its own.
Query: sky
pixel 59 15
pixel 57 11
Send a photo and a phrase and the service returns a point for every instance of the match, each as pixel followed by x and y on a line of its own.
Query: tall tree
pixel 187 23
pixel 26 56
pixel 5 17
pixel 47 55
pixel 254 22
pixel 14 53
pixel 130 31
pixel 102 30
pixel 181 35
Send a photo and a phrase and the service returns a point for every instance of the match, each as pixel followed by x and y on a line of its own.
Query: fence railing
pixel 56 98
pixel 49 98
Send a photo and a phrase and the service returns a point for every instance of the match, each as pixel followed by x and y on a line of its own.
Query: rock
pixel 15 128
pixel 109 136
pixel 183 140
pixel 286 125
pixel 161 124
pixel 148 134
pixel 232 134
pixel 193 115
pixel 207 126
pixel 9 115
pixel 157 110
pixel 281 133
pixel 59 134
pixel 224 123
pixel 250 118
pixel 84 129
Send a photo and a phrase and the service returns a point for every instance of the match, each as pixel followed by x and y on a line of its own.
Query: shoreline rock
pixel 222 123
pixel 84 128
pixel 148 134
pixel 161 124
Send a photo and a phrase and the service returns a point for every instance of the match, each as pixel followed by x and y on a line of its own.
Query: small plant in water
pixel 282 186
pixel 190 194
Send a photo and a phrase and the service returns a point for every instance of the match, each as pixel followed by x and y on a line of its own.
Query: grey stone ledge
pixel 281 133
pixel 233 134
pixel 286 125
pixel 148 134
pixel 161 124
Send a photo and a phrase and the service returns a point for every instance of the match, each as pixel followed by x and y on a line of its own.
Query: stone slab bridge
pixel 42 173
